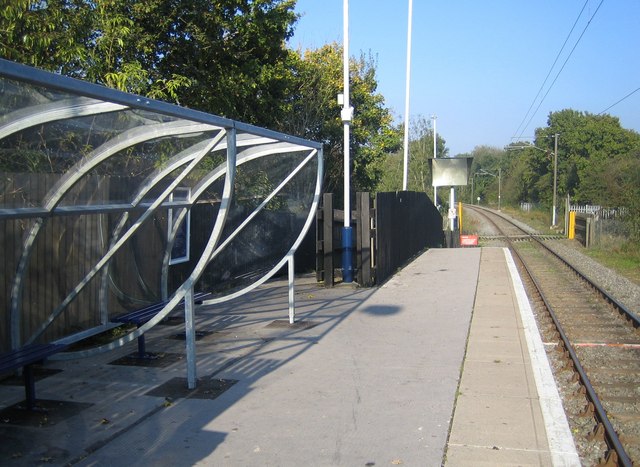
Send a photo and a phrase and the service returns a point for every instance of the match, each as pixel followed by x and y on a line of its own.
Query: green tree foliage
pixel 420 151
pixel 587 147
pixel 598 163
pixel 233 51
pixel 487 178
pixel 46 34
pixel 226 57
pixel 314 113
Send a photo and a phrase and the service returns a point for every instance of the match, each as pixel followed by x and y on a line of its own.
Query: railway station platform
pixel 439 366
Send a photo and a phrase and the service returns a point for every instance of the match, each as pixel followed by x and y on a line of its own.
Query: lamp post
pixel 435 188
pixel 405 173
pixel 346 114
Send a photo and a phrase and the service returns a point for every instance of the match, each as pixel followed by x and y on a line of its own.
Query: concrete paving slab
pixel 502 421
pixel 373 381
pixel 367 377
pixel 491 456
pixel 497 377
pixel 499 418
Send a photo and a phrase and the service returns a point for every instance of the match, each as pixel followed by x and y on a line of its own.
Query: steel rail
pixel 611 437
pixel 622 309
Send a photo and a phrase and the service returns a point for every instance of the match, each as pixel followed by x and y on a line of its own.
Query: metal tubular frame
pixel 71 99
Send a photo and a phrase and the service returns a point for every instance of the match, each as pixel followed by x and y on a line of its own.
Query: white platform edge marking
pixel 561 445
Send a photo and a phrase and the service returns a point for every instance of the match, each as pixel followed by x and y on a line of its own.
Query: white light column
pixel 435 150
pixel 346 115
pixel 405 174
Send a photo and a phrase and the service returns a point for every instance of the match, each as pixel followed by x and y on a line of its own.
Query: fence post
pixel 572 225
pixel 363 239
pixel 327 239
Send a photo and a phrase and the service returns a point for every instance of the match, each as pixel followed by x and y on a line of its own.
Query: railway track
pixel 593 343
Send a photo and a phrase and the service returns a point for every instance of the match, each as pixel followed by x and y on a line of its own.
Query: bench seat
pixel 142 315
pixel 25 357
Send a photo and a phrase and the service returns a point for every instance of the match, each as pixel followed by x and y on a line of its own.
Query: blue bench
pixel 142 315
pixel 24 358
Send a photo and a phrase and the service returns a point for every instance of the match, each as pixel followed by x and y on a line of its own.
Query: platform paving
pixel 365 377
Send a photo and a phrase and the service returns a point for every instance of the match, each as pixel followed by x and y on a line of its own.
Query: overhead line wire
pixel 616 103
pixel 550 70
pixel 563 65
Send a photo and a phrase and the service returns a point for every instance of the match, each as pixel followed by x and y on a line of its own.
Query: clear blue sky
pixel 479 65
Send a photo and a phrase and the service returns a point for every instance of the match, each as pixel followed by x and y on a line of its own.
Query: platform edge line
pixel 561 443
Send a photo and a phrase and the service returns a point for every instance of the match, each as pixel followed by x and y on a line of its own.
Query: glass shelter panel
pixel 110 202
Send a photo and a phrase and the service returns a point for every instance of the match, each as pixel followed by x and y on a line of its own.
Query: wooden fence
pixel 390 230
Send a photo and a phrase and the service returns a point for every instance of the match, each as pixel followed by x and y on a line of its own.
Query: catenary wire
pixel 562 68
pixel 550 70
pixel 620 100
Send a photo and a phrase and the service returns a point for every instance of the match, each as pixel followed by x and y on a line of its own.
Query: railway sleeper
pixel 597 434
pixel 589 411
pixel 610 459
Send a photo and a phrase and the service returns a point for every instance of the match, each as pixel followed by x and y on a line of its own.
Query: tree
pixel 45 34
pixel 233 51
pixel 488 175
pixel 227 57
pixel 587 145
pixel 314 113
pixel 420 151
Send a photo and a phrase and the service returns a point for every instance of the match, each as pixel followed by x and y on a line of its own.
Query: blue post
pixel 347 255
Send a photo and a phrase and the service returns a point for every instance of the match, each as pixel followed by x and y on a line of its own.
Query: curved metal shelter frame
pixel 109 201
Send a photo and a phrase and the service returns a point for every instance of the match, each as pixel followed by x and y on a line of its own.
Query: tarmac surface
pixel 433 368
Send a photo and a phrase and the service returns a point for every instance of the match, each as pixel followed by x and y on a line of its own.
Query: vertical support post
pixel 405 172
pixel 327 242
pixel 555 179
pixel 190 337
pixel 29 387
pixel 452 206
pixel 142 346
pixel 435 151
pixel 499 188
pixel 572 225
pixel 346 115
pixel 292 290
pixel 319 244
pixel 363 239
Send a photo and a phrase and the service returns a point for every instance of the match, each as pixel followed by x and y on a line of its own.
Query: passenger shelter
pixel 112 202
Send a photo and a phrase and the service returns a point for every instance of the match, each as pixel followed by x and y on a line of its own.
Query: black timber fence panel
pixel 406 223
pixel 389 231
